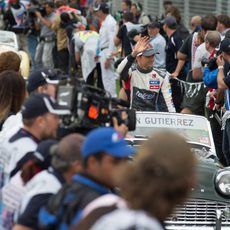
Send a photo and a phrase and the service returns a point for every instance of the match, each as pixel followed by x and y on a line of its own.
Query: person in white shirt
pixel 106 47
pixel 157 41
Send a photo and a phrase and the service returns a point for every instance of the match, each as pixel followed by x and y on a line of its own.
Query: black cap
pixel 225 45
pixel 41 154
pixel 154 24
pixel 42 77
pixel 104 7
pixel 38 104
pixel 170 21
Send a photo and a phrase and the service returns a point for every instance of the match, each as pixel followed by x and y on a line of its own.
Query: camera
pixel 36 6
pixel 39 8
pixel 211 62
pixel 91 107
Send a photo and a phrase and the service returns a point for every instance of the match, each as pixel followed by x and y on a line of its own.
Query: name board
pixel 171 121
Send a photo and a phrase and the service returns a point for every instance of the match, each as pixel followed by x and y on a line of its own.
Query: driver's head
pixel 145 59
pixel 166 164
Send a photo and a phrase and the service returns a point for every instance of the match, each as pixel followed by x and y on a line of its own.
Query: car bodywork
pixel 207 207
pixel 9 42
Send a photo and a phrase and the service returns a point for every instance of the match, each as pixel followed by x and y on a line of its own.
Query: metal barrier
pixel 188 8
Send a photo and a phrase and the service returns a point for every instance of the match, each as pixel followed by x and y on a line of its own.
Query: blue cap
pixel 106 140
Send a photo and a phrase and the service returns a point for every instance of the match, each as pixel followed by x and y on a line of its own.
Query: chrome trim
pixel 198 214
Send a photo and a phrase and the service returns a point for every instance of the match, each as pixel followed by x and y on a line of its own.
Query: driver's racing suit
pixel 150 90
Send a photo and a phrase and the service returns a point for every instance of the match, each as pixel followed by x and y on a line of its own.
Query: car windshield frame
pixel 193 126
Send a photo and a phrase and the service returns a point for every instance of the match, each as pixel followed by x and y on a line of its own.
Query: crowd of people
pixel 49 180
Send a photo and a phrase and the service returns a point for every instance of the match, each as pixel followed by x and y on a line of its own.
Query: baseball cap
pixel 170 21
pixel 154 24
pixel 106 140
pixel 148 52
pixel 103 7
pixel 38 104
pixel 42 154
pixel 225 45
pixel 41 77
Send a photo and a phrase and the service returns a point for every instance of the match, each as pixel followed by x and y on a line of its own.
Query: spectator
pixel 160 163
pixel 14 18
pixel 125 8
pixel 187 52
pixel 106 47
pixel 223 83
pixel 166 5
pixel 12 94
pixel 172 47
pixel 66 161
pixel 103 151
pixel 43 81
pixel 214 95
pixel 122 37
pixel 9 60
pixel 158 43
pixel 150 88
pixel 85 45
pixel 31 164
pixel 223 24
pixel 182 30
pixel 44 50
pixel 40 121
pixel 212 40
pixel 139 14
pixel 62 53
pixel 196 23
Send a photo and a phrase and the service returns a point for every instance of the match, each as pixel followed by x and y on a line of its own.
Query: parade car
pixel 208 206
pixel 9 42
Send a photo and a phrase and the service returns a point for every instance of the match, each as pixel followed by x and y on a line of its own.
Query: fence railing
pixel 188 8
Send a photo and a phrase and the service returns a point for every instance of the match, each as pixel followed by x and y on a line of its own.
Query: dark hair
pixel 99 156
pixel 127 2
pixel 9 61
pixel 50 4
pixel 175 12
pixel 29 121
pixel 29 169
pixel 128 17
pixel 12 93
pixel 167 3
pixel 166 164
pixel 224 19
pixel 227 35
pixel 138 6
pixel 67 152
pixel 209 22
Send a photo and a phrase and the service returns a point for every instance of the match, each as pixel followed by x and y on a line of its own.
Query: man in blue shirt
pixel 103 150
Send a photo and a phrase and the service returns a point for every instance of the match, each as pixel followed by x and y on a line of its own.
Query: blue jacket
pixel 65 208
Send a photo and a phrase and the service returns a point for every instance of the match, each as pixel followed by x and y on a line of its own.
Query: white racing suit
pixel 150 90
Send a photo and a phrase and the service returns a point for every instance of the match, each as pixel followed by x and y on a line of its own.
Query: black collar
pixel 144 70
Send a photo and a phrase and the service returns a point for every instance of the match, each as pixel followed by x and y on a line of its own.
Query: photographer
pixel 214 102
pixel 43 55
pixel 150 88
pixel 15 20
pixel 223 80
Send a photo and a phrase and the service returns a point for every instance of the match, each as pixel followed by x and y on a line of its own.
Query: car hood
pixel 205 189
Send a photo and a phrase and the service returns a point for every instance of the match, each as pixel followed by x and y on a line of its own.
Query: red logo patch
pixel 154 87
